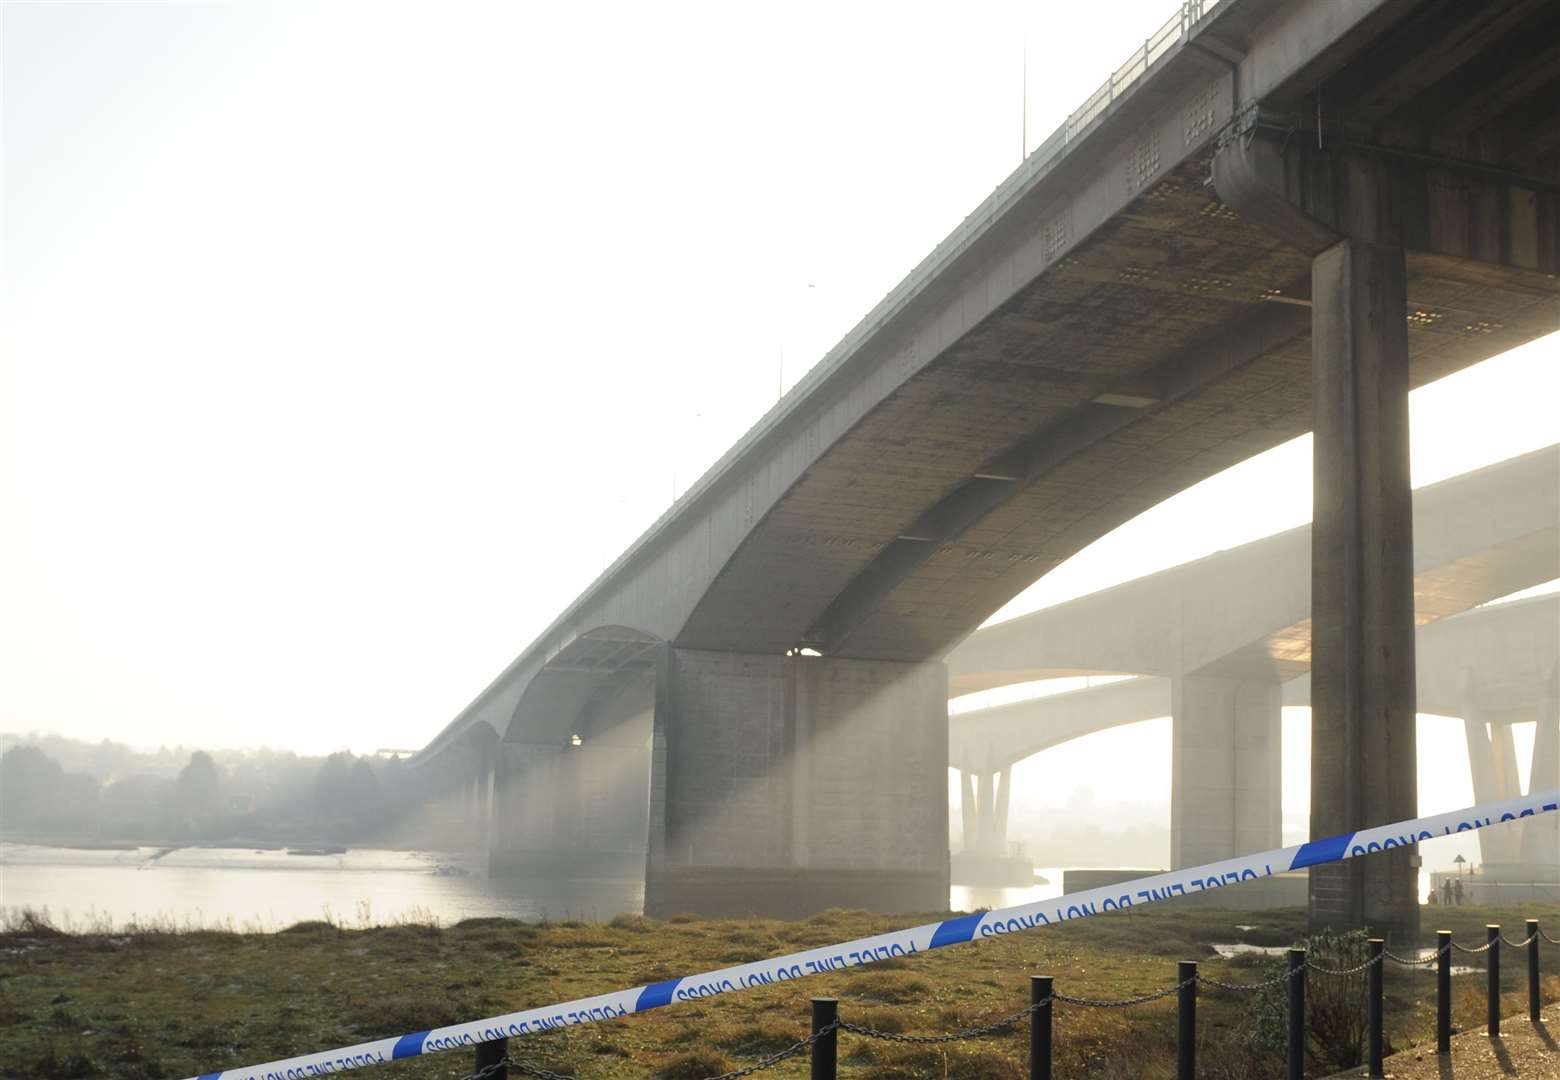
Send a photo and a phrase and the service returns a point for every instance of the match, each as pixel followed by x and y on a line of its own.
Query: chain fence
pixel 1297 970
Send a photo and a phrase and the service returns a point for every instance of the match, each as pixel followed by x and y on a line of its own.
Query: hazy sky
pixel 345 343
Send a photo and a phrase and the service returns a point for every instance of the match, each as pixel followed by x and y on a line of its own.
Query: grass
pixel 166 1003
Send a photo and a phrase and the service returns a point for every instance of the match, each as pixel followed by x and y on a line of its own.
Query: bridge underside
pixel 1171 344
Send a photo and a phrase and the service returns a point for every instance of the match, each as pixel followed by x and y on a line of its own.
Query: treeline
pixel 61 789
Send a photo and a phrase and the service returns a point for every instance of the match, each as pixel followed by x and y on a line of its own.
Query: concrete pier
pixel 785 785
pixel 1344 213
pixel 1225 765
pixel 1363 768
pixel 562 807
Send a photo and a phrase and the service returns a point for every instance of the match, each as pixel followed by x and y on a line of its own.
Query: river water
pixel 268 890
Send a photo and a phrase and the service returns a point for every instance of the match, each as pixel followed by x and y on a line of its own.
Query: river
pixel 246 889
pixel 267 890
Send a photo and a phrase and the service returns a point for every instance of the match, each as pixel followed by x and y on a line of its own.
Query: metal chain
pixel 789 1052
pixel 521 1067
pixel 1473 952
pixel 1345 971
pixel 1518 944
pixel 1247 987
pixel 1094 1003
pixel 1423 961
pixel 955 1036
pixel 527 1069
pixel 1546 937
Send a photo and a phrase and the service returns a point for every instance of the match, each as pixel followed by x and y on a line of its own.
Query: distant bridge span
pixel 1225 631
pixel 1492 667
pixel 1244 612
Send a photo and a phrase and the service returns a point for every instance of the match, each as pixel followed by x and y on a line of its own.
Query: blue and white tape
pixel 897 943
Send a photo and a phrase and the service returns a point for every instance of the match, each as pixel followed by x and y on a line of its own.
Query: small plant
pixel 1336 1004
pixel 27 922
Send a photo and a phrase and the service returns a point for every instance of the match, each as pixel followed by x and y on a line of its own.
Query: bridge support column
pixel 998 844
pixel 1522 850
pixel 562 808
pixel 1225 765
pixel 1492 758
pixel 984 801
pixel 1541 835
pixel 1363 767
pixel 533 805
pixel 969 809
pixel 471 808
pixel 785 785
pixel 1347 214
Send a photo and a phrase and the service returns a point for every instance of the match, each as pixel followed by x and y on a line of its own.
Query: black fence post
pixel 825 1052
pixel 1186 1034
pixel 1492 955
pixel 1040 1027
pixel 1532 951
pixel 1296 1047
pixel 1373 976
pixel 493 1055
pixel 1443 991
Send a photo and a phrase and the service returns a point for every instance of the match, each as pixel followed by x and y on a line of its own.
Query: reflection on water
pixel 973 897
pixel 272 889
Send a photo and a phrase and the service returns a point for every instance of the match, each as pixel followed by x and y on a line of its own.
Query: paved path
pixel 1523 1049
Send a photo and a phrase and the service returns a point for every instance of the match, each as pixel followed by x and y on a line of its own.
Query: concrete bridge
pixel 1225 633
pixel 1108 328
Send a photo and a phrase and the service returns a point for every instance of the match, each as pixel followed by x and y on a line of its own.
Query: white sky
pixel 345 343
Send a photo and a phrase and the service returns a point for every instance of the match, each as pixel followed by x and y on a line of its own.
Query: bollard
pixel 1186 1033
pixel 1443 992
pixel 1296 1046
pixel 1373 1007
pixel 1532 949
pixel 1040 1027
pixel 825 1052
pixel 1492 955
pixel 493 1056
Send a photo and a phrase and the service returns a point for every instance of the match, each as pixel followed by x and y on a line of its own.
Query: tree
pixel 138 804
pixel 29 786
pixel 346 790
pixel 199 789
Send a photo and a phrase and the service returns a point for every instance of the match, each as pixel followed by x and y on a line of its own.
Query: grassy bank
pixel 173 1004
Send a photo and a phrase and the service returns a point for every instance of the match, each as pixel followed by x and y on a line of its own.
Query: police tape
pixel 996 923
